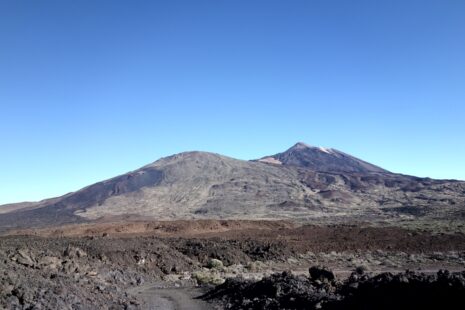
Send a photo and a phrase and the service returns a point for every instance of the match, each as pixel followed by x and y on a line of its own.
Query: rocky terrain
pixel 302 184
pixel 171 263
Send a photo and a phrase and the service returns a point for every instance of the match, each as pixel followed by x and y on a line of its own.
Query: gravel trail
pixel 156 297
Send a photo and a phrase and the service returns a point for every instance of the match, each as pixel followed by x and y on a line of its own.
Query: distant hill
pixel 303 183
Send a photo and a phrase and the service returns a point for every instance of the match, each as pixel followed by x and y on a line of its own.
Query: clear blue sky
pixel 92 89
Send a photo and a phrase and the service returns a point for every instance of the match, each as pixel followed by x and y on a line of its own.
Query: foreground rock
pixel 406 290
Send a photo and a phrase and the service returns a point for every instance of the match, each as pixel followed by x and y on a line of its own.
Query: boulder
pixel 23 258
pixel 73 252
pixel 321 274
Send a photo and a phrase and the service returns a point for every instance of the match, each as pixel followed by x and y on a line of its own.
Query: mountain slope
pixel 308 183
pixel 201 184
pixel 186 185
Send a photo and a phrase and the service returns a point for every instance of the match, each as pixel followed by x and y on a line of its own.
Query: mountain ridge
pixel 308 183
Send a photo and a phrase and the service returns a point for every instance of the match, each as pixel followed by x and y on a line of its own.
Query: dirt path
pixel 157 297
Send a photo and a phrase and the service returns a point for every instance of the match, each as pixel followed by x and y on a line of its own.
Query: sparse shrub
pixel 215 263
pixel 205 277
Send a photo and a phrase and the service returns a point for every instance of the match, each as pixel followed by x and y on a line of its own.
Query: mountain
pixel 303 183
pixel 321 159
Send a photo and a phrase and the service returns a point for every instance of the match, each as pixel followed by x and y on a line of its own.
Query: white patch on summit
pixel 326 150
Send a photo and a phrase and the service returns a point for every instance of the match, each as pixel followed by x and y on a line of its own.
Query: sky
pixel 91 89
